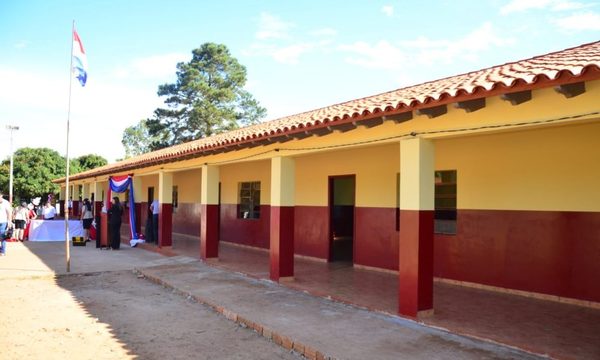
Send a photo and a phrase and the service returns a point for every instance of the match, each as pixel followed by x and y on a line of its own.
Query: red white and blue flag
pixel 120 184
pixel 79 60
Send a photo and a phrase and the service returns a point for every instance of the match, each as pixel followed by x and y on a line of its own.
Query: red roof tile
pixel 541 71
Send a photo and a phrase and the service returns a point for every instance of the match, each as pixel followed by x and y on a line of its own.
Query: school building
pixel 488 178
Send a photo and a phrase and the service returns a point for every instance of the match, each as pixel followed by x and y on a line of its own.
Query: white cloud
pixel 275 41
pixel 272 27
pixel 388 10
pixel 422 50
pixel 324 32
pixel 37 101
pixel 555 5
pixel 151 67
pixel 289 54
pixel 579 22
pixel 381 55
pixel 21 44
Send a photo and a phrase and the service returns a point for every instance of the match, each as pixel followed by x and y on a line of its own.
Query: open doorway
pixel 150 233
pixel 341 218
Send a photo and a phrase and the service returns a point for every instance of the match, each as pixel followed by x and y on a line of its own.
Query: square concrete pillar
pixel 137 192
pixel 96 189
pixel 165 203
pixel 282 218
pixel 85 191
pixel 62 202
pixel 416 227
pixel 209 212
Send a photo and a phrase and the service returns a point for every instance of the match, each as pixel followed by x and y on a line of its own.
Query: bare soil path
pixel 115 315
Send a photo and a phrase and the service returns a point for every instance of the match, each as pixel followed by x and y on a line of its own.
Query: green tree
pixel 208 98
pixel 33 172
pixel 88 162
pixel 137 139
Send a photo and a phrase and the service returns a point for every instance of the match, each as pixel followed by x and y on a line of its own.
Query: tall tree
pixel 208 98
pixel 137 139
pixel 33 172
pixel 89 161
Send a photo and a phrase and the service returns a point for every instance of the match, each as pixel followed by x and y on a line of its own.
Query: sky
pixel 299 55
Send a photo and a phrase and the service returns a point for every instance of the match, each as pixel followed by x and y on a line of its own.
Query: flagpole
pixel 67 247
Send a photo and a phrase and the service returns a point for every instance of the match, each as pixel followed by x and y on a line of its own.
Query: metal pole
pixel 11 128
pixel 67 247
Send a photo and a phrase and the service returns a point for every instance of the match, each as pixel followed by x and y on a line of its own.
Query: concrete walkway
pixel 47 259
pixel 312 326
pixel 317 327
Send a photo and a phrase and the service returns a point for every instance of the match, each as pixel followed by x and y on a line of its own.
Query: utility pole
pixel 11 128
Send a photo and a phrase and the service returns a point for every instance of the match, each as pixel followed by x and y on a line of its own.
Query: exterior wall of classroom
pixel 252 232
pixel 528 211
pixel 528 208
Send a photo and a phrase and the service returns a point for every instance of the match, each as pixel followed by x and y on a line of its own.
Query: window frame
pixel 446 202
pixel 249 200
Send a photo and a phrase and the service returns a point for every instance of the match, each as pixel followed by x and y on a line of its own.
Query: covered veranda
pixel 556 329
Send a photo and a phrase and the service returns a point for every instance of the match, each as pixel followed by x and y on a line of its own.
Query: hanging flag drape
pixel 79 60
pixel 120 184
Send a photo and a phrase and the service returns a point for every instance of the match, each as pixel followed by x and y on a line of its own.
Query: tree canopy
pixel 88 162
pixel 208 98
pixel 137 139
pixel 35 168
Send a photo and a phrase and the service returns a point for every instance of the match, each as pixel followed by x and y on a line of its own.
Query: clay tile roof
pixel 555 68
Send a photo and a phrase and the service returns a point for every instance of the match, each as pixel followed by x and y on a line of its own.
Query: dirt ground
pixel 116 315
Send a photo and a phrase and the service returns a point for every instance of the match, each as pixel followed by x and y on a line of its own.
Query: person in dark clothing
pixel 115 213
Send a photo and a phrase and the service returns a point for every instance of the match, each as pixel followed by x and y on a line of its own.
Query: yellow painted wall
pixel 375 169
pixel 149 181
pixel 552 169
pixel 188 185
pixel 232 175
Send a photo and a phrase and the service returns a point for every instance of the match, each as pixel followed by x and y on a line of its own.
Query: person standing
pixel 155 210
pixel 32 216
pixel 21 218
pixel 86 218
pixel 115 213
pixel 70 206
pixel 49 211
pixel 5 222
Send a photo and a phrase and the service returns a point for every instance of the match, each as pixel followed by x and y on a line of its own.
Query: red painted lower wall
pixel 550 252
pixel 311 231
pixel 209 231
pixel 144 211
pixel 75 210
pixel 281 242
pixel 165 227
pixel 415 275
pixel 186 219
pixel 251 232
pixel 376 238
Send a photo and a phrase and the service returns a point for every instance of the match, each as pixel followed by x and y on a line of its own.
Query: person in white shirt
pixel 86 218
pixel 49 212
pixel 155 210
pixel 21 218
pixel 5 222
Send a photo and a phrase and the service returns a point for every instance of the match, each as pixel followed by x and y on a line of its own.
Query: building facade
pixel 488 179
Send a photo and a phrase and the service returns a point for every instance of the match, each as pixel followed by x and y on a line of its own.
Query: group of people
pixel 18 220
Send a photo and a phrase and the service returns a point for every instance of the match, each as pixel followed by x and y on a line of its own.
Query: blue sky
pixel 300 55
